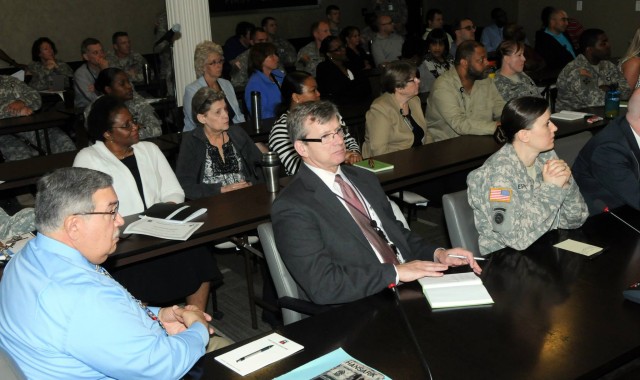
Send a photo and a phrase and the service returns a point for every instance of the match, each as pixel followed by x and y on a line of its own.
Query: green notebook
pixel 378 166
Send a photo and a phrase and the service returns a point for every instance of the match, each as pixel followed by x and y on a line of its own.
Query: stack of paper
pixel 569 115
pixel 454 290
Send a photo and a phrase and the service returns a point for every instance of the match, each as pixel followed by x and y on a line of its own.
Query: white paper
pixel 163 229
pixel 454 279
pixel 578 247
pixel 453 290
pixel 282 347
pixel 466 295
pixel 19 75
pixel 59 93
pixel 569 115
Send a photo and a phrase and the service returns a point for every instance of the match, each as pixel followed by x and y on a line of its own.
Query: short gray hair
pixel 202 101
pixel 65 192
pixel 321 112
pixel 203 49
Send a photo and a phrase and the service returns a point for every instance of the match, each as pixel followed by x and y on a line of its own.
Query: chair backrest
pixel 460 222
pixel 567 148
pixel 9 369
pixel 285 285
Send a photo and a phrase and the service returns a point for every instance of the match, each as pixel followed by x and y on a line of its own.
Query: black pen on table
pixel 254 353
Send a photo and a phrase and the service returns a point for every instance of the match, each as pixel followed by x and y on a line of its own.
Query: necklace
pixel 124 154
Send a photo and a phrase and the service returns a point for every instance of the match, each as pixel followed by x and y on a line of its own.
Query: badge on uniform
pixel 499 194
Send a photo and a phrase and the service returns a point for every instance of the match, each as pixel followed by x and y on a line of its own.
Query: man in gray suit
pixel 326 221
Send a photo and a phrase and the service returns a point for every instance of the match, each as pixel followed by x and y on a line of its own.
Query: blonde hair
pixel 203 49
pixel 634 47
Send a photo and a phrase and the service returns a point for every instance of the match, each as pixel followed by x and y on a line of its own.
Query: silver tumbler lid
pixel 270 158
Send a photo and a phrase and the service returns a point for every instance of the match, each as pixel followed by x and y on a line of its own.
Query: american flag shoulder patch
pixel 499 194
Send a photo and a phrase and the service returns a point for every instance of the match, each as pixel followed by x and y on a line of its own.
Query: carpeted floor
pixel 232 295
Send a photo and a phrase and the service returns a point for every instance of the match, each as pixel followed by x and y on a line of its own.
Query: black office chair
pixel 293 307
pixel 568 148
pixel 460 221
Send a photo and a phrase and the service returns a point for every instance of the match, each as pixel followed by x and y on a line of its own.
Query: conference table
pixel 34 122
pixel 16 174
pixel 557 315
pixel 241 211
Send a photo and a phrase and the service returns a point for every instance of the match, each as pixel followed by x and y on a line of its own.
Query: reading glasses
pixel 113 213
pixel 327 138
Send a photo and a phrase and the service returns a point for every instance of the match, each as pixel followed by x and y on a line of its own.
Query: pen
pixel 254 353
pixel 463 257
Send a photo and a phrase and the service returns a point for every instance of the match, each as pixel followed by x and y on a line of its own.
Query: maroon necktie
pixel 361 217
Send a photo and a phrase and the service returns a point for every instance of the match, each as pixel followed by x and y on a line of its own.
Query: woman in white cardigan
pixel 142 177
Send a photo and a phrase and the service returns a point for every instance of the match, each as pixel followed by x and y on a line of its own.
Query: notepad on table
pixel 578 247
pixel 179 213
pixel 455 290
pixel 569 115
pixel 374 165
pixel 259 353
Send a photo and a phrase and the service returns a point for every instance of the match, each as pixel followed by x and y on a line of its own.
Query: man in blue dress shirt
pixel 63 316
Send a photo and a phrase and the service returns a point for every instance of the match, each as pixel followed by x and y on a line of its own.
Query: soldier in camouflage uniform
pixel 143 115
pixel 584 81
pixel 45 65
pixel 524 190
pixel 21 222
pixel 511 81
pixel 124 58
pixel 115 82
pixel 309 56
pixel 240 64
pixel 18 99
pixel 286 52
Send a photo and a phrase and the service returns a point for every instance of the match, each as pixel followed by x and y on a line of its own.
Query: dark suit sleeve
pixel 325 261
pixel 615 167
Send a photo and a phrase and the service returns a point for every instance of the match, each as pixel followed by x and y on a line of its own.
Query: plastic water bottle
pixel 612 103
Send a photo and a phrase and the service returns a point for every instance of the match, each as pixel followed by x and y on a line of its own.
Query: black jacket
pixel 191 161
pixel 607 169
pixel 555 55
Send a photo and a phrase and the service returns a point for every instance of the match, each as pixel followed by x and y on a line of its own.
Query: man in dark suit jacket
pixel 552 42
pixel 607 169
pixel 325 250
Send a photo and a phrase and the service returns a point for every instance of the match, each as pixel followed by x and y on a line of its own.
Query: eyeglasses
pixel 327 138
pixel 468 28
pixel 129 125
pixel 415 79
pixel 388 23
pixel 218 62
pixel 341 47
pixel 113 213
